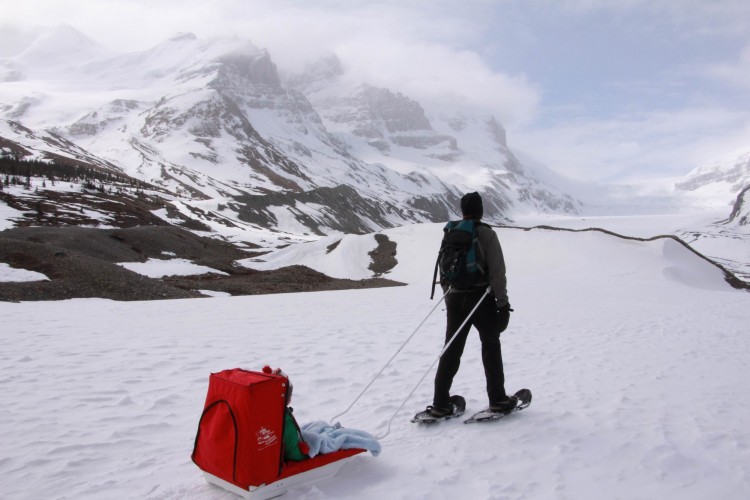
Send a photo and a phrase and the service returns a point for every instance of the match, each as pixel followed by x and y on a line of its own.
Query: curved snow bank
pixel 347 256
pixel 686 268
pixel 160 268
pixel 599 257
pixel 594 258
pixel 13 275
pixel 344 257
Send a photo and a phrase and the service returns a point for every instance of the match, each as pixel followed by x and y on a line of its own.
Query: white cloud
pixel 663 110
pixel 652 144
pixel 437 74
pixel 418 48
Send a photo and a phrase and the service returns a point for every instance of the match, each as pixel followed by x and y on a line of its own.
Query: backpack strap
pixel 434 275
pixel 448 227
pixel 478 247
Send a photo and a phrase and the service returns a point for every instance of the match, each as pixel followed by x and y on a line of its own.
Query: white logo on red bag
pixel 266 438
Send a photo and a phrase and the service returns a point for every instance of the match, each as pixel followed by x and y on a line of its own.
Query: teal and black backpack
pixel 457 261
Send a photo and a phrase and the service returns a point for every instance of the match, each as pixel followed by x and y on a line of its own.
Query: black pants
pixel 484 319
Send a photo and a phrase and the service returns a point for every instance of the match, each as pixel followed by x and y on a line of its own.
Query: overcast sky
pixel 597 90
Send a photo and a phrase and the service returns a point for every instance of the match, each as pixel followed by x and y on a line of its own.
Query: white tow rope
pixel 389 361
pixel 445 348
pixel 447 345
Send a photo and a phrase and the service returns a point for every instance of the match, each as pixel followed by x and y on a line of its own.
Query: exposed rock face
pixel 497 132
pixel 394 125
pixel 82 262
pixel 741 210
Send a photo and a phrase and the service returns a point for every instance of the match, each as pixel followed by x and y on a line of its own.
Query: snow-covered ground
pixel 12 274
pixel 159 268
pixel 702 228
pixel 636 353
pixel 637 226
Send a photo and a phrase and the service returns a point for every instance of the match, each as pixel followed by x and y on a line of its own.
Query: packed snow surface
pixel 159 268
pixel 636 353
pixel 14 275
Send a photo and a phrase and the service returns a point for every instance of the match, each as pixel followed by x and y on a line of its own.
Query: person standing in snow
pixel 490 319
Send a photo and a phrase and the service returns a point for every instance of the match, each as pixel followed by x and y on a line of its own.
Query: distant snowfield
pixel 725 244
pixel 638 226
pixel 13 275
pixel 6 214
pixel 159 268
pixel 636 353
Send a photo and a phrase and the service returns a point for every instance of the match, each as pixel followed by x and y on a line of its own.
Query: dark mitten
pixel 503 317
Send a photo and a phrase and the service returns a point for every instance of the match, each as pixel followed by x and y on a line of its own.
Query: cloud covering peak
pixel 553 72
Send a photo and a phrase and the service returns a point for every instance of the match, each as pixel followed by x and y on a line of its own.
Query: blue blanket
pixel 322 437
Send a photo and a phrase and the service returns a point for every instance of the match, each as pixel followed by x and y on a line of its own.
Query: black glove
pixel 503 317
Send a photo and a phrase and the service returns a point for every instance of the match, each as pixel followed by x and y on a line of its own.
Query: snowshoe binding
pixel 496 412
pixel 433 414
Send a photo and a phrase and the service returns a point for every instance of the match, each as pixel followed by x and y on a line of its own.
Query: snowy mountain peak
pixel 734 172
pixel 246 67
pixel 60 45
pixel 397 112
pixel 211 119
pixel 322 72
pixel 497 131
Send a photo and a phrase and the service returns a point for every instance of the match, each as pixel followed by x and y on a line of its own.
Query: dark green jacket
pixel 292 438
pixel 491 258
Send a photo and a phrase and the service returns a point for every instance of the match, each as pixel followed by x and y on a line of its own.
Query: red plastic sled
pixel 239 446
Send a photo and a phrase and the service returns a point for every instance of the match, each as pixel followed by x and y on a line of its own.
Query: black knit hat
pixel 471 206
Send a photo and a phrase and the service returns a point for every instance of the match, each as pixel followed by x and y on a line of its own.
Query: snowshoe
pixel 432 414
pixel 504 406
pixel 488 414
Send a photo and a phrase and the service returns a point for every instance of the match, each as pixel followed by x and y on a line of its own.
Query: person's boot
pixel 455 407
pixel 504 405
pixel 440 412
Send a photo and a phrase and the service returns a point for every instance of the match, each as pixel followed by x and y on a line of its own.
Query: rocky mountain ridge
pixel 213 126
pixel 733 171
pixel 740 214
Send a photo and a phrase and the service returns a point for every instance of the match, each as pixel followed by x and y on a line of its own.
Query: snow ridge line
pixel 731 278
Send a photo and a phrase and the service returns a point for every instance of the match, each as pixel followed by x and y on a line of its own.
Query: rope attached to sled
pixel 389 361
pixel 445 348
